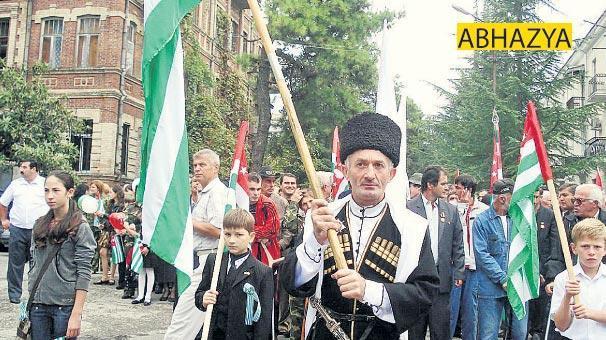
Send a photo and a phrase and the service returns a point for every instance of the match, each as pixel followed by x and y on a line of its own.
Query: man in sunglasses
pixel 586 203
pixel 587 199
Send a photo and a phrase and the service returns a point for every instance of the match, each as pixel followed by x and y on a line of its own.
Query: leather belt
pixel 351 317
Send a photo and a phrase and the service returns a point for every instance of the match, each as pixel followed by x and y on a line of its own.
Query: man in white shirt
pixel 465 298
pixel 207 218
pixel 27 195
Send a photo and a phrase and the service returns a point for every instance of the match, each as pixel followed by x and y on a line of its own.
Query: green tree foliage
pixel 417 138
pixel 283 156
pixel 328 61
pixel 461 135
pixel 33 123
pixel 213 107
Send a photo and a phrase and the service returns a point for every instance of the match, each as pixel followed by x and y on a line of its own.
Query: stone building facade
pixel 587 64
pixel 93 50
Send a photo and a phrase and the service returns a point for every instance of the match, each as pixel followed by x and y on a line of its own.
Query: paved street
pixel 106 316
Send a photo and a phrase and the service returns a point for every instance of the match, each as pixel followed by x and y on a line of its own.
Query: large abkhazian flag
pixel 496 171
pixel 533 170
pixel 238 195
pixel 339 183
pixel 164 186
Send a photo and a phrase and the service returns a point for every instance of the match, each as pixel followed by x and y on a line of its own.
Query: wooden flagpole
pixel 238 152
pixel 213 286
pixel 555 204
pixel 294 124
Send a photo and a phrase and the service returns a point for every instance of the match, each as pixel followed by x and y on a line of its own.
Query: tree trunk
pixel 263 111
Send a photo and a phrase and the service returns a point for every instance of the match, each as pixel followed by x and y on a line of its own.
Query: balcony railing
pixel 575 102
pixel 597 88
pixel 595 146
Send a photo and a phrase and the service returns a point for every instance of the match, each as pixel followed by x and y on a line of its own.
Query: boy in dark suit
pixel 243 302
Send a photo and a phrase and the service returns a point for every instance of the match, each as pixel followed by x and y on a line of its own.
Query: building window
pixel 4 22
pixel 88 41
pixel 124 151
pixel 244 42
pixel 84 143
pixel 235 36
pixel 130 48
pixel 52 38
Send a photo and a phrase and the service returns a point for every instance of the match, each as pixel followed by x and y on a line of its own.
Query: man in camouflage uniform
pixel 297 305
pixel 290 193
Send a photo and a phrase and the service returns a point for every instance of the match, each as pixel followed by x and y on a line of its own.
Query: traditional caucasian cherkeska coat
pixel 397 255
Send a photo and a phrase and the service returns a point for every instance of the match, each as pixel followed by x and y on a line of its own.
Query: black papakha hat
pixel 371 131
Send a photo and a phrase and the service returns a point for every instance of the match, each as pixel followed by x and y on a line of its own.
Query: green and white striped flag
pixel 136 262
pixel 523 268
pixel 164 186
pixel 117 249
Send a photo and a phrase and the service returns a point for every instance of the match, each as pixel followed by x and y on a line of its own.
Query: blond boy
pixel 587 319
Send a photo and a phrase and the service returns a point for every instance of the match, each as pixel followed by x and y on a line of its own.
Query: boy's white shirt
pixel 593 296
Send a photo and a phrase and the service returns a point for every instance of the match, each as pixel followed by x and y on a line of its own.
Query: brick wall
pixel 94 93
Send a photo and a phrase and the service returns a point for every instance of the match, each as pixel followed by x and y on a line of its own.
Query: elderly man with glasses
pixel 586 202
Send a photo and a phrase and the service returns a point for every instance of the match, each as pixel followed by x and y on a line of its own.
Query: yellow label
pixel 518 36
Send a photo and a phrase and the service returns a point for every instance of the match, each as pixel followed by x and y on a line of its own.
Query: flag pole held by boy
pixel 237 197
pixel 533 169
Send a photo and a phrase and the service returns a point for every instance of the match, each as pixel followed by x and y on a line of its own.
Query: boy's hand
pixel 581 312
pixel 209 298
pixel 549 288
pixel 573 287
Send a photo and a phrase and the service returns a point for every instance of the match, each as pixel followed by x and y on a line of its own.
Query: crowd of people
pixel 435 262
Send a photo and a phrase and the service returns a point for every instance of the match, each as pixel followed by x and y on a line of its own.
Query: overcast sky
pixel 424 42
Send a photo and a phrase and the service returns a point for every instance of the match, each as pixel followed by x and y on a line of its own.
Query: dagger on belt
pixel 333 326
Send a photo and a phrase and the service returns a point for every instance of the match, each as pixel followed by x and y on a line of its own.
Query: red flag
pixel 598 178
pixel 496 171
pixel 532 130
pixel 238 176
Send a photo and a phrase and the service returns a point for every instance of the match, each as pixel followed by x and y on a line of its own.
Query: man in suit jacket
pixel 446 236
pixel 546 227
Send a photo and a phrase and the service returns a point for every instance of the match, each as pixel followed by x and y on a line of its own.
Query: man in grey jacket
pixel 446 235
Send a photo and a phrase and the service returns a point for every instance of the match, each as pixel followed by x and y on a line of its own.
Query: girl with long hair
pixel 114 204
pixel 58 301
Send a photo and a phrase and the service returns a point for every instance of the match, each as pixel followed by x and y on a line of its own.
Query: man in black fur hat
pixel 391 277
